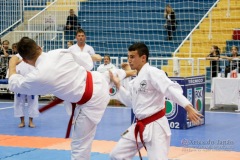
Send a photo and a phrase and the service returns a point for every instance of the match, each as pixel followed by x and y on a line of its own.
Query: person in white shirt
pixel 81 45
pixel 107 65
pixel 21 99
pixel 146 96
pixel 65 74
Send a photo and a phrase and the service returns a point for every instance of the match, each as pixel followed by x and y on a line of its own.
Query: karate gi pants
pixel 83 134
pixel 86 118
pixel 157 147
pixel 20 100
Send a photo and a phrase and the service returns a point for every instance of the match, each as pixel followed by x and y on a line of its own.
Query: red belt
pixel 85 98
pixel 140 126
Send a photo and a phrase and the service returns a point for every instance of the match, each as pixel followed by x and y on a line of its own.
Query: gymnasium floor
pixel 218 139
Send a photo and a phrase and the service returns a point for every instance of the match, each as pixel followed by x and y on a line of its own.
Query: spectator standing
pixel 72 21
pixel 214 63
pixel 81 45
pixel 14 48
pixel 170 25
pixel 107 65
pixel 20 100
pixel 5 50
pixel 234 62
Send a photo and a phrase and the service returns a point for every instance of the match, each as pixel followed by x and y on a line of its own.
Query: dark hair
pixel 14 45
pixel 27 48
pixel 5 41
pixel 217 50
pixel 80 31
pixel 107 56
pixel 141 48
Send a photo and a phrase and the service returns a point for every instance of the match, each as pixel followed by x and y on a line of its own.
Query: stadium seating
pixel 231 43
pixel 132 21
pixel 36 5
pixel 222 26
pixel 8 15
pixel 112 25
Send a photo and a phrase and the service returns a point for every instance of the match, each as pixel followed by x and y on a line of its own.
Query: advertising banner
pixel 194 91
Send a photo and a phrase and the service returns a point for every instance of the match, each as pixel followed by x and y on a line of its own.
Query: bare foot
pixel 21 125
pixel 31 125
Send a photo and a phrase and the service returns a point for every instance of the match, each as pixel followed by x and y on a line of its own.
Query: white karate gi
pixel 21 99
pixel 146 95
pixel 87 49
pixel 103 68
pixel 62 73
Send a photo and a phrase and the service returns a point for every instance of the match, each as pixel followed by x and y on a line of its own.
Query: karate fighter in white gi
pixel 146 95
pixel 64 74
pixel 20 100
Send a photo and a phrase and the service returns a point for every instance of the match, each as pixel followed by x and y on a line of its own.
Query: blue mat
pixel 15 153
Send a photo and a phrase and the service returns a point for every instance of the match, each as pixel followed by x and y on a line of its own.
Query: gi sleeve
pixel 167 87
pixel 175 93
pixel 27 85
pixel 91 50
pixel 159 80
pixel 16 84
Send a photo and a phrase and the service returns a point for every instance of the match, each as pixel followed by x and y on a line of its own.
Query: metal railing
pixel 36 3
pixel 53 17
pixel 10 17
pixel 176 69
pixel 113 60
pixel 44 39
pixel 189 36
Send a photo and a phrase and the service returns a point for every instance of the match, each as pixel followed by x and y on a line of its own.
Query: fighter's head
pixel 28 50
pixel 138 55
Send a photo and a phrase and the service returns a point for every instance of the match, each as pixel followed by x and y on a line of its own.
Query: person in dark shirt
pixel 170 25
pixel 14 49
pixel 5 50
pixel 214 63
pixel 72 21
